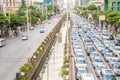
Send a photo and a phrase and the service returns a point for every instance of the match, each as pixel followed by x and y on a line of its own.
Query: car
pixel 2 42
pixel 93 54
pixel 108 55
pixel 111 37
pixel 90 49
pixel 41 26
pixel 108 74
pixel 96 61
pixel 117 42
pixel 87 76
pixel 116 68
pixel 31 28
pixel 80 62
pixel 100 47
pixel 113 60
pixel 104 51
pixel 116 51
pixel 25 37
pixel 80 71
pixel 99 68
pixel 42 30
pixel 111 46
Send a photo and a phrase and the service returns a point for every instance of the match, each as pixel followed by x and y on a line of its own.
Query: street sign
pixel 101 17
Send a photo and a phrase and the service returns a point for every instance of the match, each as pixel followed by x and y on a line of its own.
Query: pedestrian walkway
pixel 55 62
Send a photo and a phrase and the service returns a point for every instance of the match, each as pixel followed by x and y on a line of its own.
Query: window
pixel 14 4
pixel 118 6
pixel 6 4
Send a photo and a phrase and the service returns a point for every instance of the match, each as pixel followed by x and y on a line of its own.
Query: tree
pixel 95 17
pixel 3 20
pixel 92 7
pixel 110 17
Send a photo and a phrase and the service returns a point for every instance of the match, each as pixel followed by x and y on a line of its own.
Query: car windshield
pixel 118 49
pixel 109 55
pixel 91 48
pixel 115 60
pixel 81 71
pixel 117 66
pixel 80 61
pixel 95 54
pixel 97 60
pixel 118 41
pixel 101 67
pixel 110 77
pixel 79 55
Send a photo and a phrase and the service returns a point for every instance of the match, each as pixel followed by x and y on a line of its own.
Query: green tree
pixel 92 7
pixel 3 20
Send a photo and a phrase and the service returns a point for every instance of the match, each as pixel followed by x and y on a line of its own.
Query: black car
pixel 111 37
pixel 117 42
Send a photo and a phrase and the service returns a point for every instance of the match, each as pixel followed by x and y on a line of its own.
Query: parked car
pixel 108 74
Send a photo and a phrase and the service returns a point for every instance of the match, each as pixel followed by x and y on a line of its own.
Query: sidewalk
pixel 52 71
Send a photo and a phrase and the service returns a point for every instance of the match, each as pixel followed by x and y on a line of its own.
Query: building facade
pixel 113 5
pixel 12 5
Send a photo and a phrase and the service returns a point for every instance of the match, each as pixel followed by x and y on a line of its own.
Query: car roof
pixel 108 71
pixel 87 76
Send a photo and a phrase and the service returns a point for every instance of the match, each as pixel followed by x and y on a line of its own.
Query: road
pixel 16 52
pixel 89 62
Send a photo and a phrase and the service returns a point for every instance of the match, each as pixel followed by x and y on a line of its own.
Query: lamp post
pixel 27 11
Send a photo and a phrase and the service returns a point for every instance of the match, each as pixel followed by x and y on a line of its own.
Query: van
pixel 2 42
pixel 87 76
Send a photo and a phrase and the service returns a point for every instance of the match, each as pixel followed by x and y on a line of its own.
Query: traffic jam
pixel 96 52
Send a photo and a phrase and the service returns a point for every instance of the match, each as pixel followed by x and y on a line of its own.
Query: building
pixel 113 5
pixel 2 7
pixel 28 2
pixel 47 2
pixel 12 5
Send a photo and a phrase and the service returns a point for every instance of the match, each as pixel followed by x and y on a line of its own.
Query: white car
pixel 116 51
pixel 113 60
pixel 2 42
pixel 116 68
pixel 99 68
pixel 31 28
pixel 25 37
pixel 87 76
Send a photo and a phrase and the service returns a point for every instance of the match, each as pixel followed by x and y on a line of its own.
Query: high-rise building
pixel 113 5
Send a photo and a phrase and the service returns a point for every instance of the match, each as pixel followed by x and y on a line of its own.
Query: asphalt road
pixel 16 52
